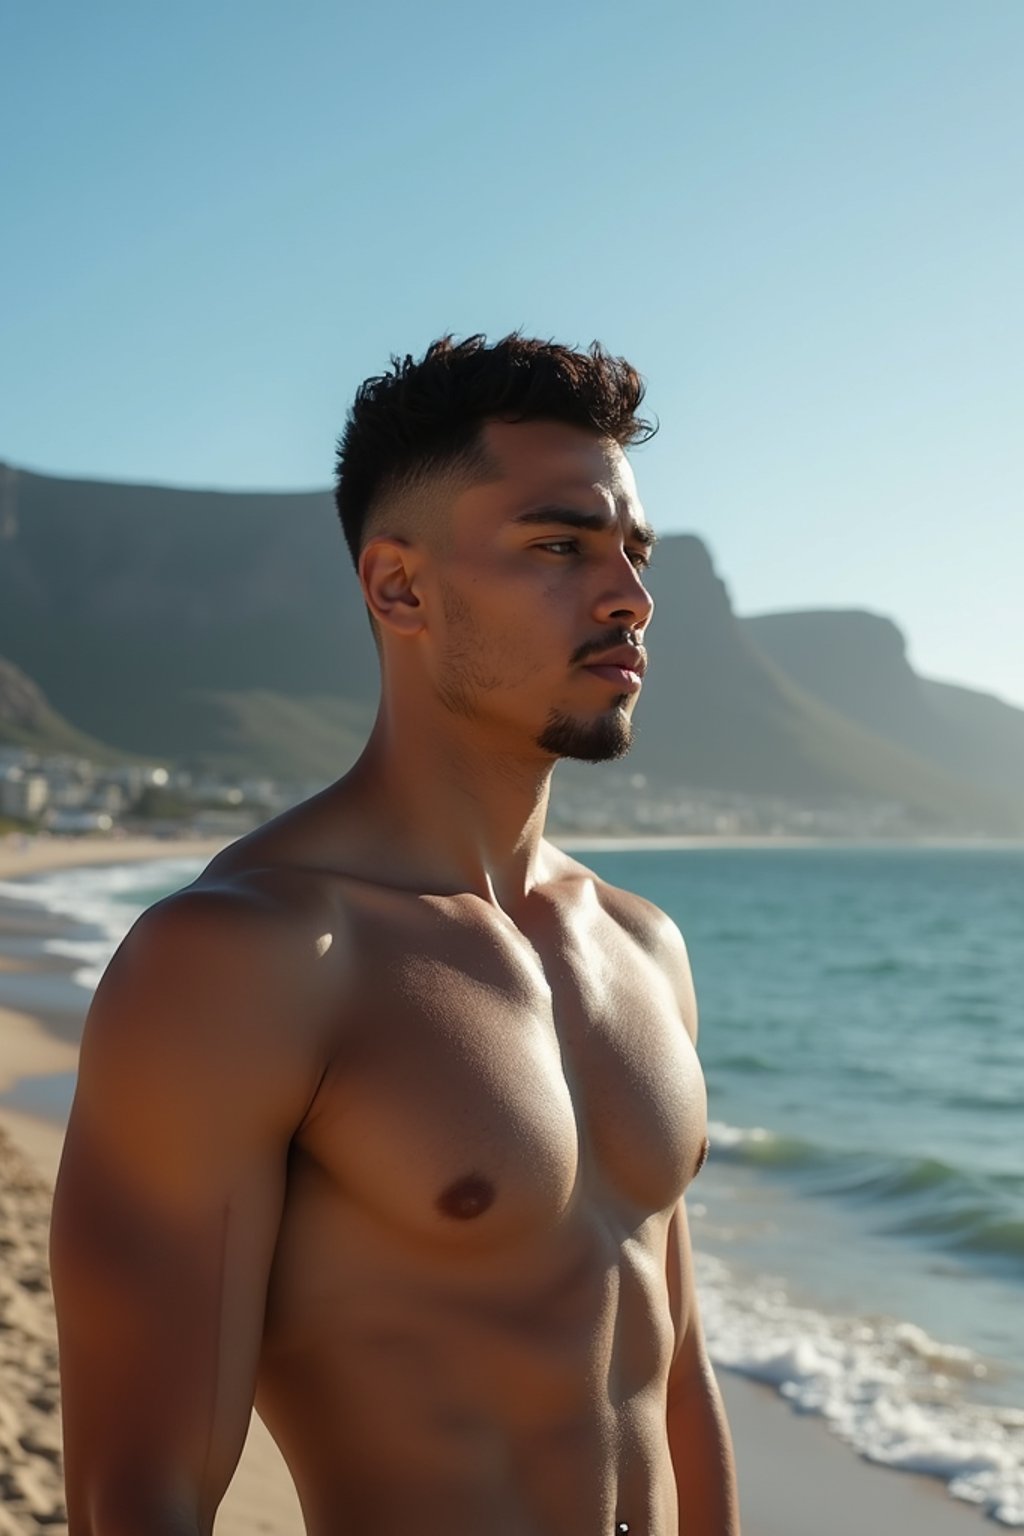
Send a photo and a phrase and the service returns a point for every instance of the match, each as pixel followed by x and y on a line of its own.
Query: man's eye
pixel 560 546
pixel 640 559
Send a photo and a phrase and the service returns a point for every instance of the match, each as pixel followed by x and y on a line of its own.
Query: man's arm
pixel 698 1431
pixel 191 1083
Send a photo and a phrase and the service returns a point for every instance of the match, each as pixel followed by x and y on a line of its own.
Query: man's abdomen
pixel 514 1392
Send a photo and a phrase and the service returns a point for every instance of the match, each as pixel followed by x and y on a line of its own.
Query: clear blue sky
pixel 803 221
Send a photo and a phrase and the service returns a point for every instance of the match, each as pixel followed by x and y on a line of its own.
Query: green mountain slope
pixel 27 721
pixel 126 603
pixel 305 739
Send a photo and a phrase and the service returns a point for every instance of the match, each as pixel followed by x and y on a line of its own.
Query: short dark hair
pixel 427 416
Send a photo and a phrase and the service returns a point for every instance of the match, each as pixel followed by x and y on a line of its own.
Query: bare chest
pixel 483 1082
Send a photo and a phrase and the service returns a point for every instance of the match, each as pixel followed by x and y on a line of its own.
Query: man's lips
pixel 624 678
pixel 624 666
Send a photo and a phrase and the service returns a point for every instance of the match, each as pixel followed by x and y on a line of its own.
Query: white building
pixel 23 794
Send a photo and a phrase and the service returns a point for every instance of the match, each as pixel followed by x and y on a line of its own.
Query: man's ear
pixel 387 573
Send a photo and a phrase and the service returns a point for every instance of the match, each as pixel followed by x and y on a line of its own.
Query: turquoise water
pixel 859 1224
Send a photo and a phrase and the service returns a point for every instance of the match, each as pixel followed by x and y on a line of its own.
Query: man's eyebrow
pixel 591 522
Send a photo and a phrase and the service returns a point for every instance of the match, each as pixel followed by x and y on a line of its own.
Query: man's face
pixel 538 588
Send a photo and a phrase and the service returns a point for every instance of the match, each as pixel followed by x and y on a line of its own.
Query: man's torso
pixel 468 1325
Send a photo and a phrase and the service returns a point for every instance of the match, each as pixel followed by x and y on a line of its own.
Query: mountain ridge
pixel 856 660
pixel 228 626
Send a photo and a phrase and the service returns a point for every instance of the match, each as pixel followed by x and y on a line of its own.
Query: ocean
pixel 859 1225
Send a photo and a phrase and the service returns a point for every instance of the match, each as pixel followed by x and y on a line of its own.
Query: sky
pixel 803 223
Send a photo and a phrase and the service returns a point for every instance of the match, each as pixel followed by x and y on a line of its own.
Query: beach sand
pixel 796 1479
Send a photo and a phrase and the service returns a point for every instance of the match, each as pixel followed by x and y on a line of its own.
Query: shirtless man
pixel 385 1122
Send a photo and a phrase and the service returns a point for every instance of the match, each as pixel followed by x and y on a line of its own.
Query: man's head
pixel 422 422
pixel 493 518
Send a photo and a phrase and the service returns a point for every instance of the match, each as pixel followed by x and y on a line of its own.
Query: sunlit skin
pixel 386 1122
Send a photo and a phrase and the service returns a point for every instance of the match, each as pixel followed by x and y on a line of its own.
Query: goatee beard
pixel 588 741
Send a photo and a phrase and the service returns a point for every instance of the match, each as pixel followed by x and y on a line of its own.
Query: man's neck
pixel 460 813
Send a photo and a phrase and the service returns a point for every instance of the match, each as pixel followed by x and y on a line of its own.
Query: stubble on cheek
pixel 477 661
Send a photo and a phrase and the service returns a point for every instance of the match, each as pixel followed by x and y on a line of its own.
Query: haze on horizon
pixel 802 223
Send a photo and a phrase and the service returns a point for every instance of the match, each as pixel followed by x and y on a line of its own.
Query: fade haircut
pixel 425 418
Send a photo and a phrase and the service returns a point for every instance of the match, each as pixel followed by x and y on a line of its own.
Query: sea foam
pixel 100 897
pixel 884 1386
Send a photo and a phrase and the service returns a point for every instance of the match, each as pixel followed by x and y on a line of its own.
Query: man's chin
pixel 603 740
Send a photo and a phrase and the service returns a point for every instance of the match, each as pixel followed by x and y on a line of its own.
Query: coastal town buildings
pixel 74 795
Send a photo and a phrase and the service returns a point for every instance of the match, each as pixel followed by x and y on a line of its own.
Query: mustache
pixel 607 642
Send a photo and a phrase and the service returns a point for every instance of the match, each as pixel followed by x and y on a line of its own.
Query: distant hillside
pixel 856 662
pixel 160 620
pixel 289 738
pixel 987 734
pixel 26 720
pixel 229 628
pixel 718 712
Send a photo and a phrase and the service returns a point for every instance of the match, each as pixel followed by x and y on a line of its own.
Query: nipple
pixel 467 1197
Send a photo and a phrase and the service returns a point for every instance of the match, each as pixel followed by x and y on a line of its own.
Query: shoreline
pixel 36 1041
pixel 40 1041
pixel 796 1478
pixel 27 854
pixel 684 842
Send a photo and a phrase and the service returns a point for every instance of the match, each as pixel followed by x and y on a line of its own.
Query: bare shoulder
pixel 219 996
pixel 257 925
pixel 653 931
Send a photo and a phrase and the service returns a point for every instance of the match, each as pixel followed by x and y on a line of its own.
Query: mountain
pixel 26 720
pixel 718 711
pixel 188 624
pixel 302 739
pixel 856 662
pixel 988 733
pixel 228 628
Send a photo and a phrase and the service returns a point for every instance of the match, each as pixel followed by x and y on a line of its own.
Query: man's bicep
pixel 160 1313
pixel 166 1215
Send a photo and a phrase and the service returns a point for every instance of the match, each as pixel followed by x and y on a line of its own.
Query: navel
pixel 702 1159
pixel 467 1197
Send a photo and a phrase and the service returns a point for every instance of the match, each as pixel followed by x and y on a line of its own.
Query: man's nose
pixel 625 598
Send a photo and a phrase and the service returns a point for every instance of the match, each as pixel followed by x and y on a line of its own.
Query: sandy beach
pixel 796 1479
